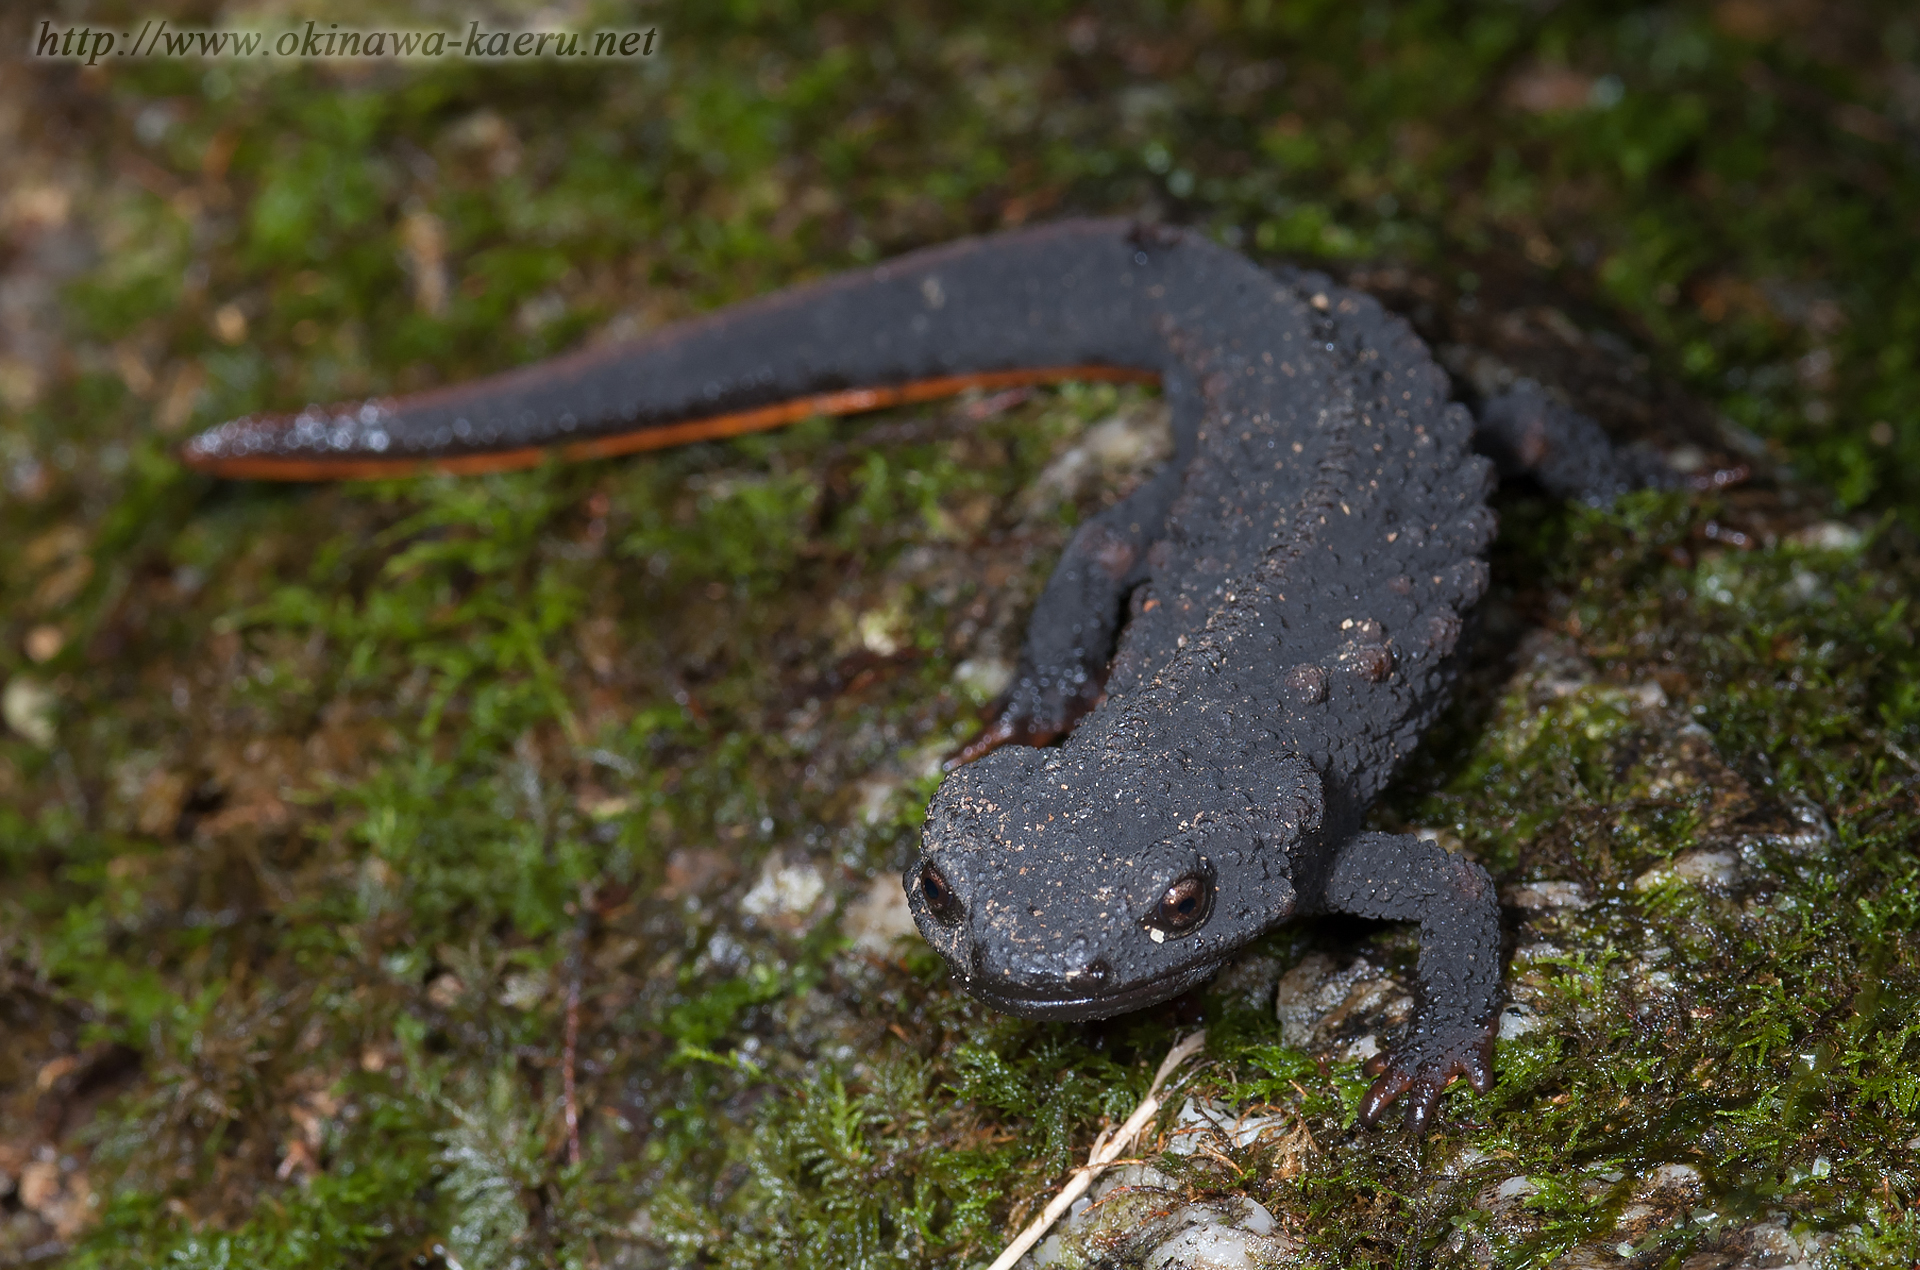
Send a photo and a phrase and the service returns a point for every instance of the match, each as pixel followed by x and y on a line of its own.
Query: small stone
pixel 59 1193
pixel 879 917
pixel 1241 1241
pixel 1293 999
pixel 1515 1188
pixel 983 677
pixel 1683 1179
pixel 1517 1021
pixel 39 1185
pixel 1136 1215
pixel 1708 868
pixel 1131 442
pixel 1202 1118
pixel 1314 1000
pixel 1702 868
pixel 1686 459
pixel 44 642
pixel 785 893
pixel 723 953
pixel 876 798
pixel 1772 1245
pixel 1063 480
pixel 27 705
pixel 1829 535
pixel 1648 696
pixel 1813 835
pixel 1252 977
pixel 230 324
pixel 881 631
pixel 1441 836
pixel 526 990
pixel 1547 895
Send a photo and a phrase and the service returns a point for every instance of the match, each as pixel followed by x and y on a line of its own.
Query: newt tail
pixel 974 314
pixel 358 434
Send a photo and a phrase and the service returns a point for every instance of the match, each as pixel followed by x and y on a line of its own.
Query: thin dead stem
pixel 576 964
pixel 1107 1151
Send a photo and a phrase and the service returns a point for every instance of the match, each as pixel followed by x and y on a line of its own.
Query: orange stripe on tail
pixel 658 437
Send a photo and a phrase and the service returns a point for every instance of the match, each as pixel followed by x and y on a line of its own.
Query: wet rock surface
pixel 1139 1216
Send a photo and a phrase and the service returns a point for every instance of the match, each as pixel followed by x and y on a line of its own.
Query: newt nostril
pixel 1099 971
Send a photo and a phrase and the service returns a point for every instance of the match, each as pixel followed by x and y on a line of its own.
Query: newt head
pixel 1060 887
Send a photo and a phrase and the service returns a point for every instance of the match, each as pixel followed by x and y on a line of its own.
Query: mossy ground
pixel 321 805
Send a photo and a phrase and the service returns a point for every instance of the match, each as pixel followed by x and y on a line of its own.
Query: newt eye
pixel 941 901
pixel 1184 906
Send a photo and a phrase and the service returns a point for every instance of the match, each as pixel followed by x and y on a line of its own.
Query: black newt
pixel 1250 644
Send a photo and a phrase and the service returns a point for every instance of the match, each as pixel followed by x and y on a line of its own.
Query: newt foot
pixel 1422 1068
pixel 1018 722
pixel 1002 728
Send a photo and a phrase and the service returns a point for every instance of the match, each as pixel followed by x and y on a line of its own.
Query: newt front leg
pixel 1399 877
pixel 1076 623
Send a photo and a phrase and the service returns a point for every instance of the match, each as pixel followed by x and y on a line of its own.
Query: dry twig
pixel 1107 1150
pixel 571 1046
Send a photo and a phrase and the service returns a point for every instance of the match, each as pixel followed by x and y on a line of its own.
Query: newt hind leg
pixel 1399 877
pixel 1526 432
pixel 1076 623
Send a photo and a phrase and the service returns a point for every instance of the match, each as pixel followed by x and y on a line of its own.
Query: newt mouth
pixel 1033 1004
